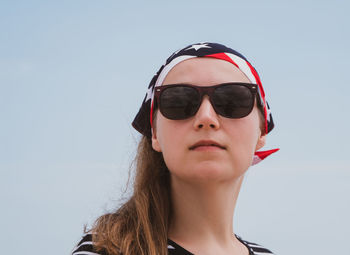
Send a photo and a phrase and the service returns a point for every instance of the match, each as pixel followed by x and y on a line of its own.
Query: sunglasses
pixel 231 100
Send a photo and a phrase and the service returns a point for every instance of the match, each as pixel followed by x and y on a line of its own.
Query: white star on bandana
pixel 199 46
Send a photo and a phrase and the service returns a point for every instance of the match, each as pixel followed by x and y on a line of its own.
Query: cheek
pixel 243 135
pixel 170 135
pixel 173 150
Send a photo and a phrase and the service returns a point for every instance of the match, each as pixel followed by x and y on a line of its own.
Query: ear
pixel 261 142
pixel 155 142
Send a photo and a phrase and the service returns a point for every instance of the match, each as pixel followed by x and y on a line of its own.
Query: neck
pixel 203 213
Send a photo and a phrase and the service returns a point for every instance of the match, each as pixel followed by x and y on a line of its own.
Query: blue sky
pixel 73 75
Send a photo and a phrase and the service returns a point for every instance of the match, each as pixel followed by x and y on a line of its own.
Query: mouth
pixel 207 144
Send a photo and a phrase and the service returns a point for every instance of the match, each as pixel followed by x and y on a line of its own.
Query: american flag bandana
pixel 143 119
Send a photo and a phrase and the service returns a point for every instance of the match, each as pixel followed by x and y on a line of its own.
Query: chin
pixel 210 172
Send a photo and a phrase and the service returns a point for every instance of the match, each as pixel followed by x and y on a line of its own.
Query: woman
pixel 203 120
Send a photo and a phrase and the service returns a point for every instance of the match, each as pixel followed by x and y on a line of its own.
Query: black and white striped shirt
pixel 85 247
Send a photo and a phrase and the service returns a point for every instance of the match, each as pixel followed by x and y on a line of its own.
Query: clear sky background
pixel 73 75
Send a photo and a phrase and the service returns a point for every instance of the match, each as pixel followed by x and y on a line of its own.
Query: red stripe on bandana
pixel 258 81
pixel 257 78
pixel 151 115
pixel 222 56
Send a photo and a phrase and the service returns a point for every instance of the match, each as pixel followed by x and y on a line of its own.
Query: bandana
pixel 143 119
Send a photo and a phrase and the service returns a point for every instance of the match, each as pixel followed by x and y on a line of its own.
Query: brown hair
pixel 139 226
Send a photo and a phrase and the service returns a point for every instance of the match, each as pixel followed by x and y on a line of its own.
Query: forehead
pixel 205 71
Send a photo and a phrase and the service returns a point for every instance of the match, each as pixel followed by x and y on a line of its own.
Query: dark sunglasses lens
pixel 233 101
pixel 179 102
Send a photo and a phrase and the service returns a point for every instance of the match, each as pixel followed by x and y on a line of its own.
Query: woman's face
pixel 240 138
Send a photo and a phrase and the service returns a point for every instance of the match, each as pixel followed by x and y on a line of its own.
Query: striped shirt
pixel 85 247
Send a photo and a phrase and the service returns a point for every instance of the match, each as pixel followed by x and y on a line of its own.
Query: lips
pixel 203 143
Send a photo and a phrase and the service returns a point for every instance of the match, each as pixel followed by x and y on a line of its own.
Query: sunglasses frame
pixel 209 90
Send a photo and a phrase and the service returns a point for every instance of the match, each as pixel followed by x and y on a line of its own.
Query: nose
pixel 206 117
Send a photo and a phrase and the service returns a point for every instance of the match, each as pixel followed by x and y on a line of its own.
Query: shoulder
pixel 254 248
pixel 85 247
